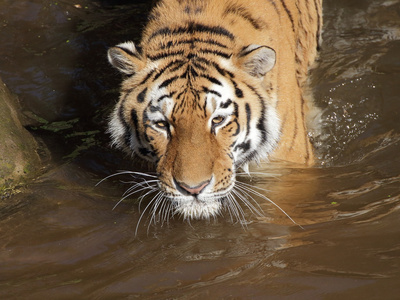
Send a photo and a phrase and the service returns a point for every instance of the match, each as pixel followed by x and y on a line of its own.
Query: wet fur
pixel 212 86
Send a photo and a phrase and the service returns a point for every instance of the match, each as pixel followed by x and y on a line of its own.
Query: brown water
pixel 60 238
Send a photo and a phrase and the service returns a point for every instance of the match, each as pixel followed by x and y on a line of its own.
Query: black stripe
pixel 260 123
pixel 246 15
pixel 134 118
pixel 219 69
pixel 295 131
pixel 192 28
pixel 142 95
pixel 212 79
pixel 154 108
pixel 202 60
pixel 178 64
pixel 248 116
pixel 204 108
pixel 168 81
pixel 245 146
pixel 127 132
pixel 179 96
pixel 222 71
pixel 193 72
pixel 162 31
pixel 262 129
pixel 135 54
pixel 245 52
pixel 236 110
pixel 147 77
pixel 317 10
pixel 206 90
pixel 165 96
pixel 162 98
pixel 127 127
pixel 135 121
pixel 127 93
pixel 215 52
pixel 275 7
pixel 226 103
pixel 236 133
pixel 145 152
pixel 238 91
pixel 166 54
pixel 192 41
pixel 288 13
pixel 198 66
pixel 191 55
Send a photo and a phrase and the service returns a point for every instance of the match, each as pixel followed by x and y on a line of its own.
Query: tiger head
pixel 197 116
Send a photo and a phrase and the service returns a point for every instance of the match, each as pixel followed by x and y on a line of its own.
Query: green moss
pixel 87 143
pixel 8 189
pixel 57 126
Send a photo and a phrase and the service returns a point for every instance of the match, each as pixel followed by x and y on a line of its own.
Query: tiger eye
pixel 218 120
pixel 161 124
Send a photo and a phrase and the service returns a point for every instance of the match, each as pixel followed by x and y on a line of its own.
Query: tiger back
pixel 212 86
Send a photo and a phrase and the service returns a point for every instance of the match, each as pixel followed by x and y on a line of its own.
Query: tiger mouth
pixel 199 206
pixel 191 207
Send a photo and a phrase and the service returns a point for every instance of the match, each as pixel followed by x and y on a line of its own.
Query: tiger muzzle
pixel 191 190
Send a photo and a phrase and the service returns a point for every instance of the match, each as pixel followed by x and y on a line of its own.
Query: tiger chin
pixel 212 86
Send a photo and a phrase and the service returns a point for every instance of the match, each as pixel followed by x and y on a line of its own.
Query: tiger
pixel 212 86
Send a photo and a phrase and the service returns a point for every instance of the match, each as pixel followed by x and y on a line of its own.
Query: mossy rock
pixel 18 148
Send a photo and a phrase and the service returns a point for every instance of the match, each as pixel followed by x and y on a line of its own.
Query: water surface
pixel 60 236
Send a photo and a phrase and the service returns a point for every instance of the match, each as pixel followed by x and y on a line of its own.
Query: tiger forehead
pixel 199 96
pixel 184 101
pixel 187 79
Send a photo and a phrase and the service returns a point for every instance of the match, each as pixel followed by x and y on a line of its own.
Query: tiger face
pixel 203 90
pixel 198 118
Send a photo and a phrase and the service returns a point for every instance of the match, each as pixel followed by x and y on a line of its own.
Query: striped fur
pixel 212 86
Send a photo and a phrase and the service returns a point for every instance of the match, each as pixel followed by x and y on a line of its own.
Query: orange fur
pixel 205 87
pixel 292 35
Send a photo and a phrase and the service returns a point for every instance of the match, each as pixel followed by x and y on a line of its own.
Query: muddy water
pixel 60 237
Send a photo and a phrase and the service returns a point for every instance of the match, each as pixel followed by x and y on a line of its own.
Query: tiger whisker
pixel 169 211
pixel 156 204
pixel 237 210
pixel 233 207
pixel 249 190
pixel 244 195
pixel 244 198
pixel 151 189
pixel 136 188
pixel 164 211
pixel 143 174
pixel 140 184
pixel 229 196
pixel 145 209
pixel 124 173
pixel 130 194
pixel 142 197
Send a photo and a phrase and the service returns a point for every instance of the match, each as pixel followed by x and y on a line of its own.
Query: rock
pixel 19 158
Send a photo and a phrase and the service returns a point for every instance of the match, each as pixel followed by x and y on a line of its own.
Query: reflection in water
pixel 61 237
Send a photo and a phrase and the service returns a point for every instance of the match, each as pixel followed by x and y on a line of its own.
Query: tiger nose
pixel 192 190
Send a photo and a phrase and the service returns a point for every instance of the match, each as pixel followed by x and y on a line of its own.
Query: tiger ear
pixel 126 58
pixel 257 60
